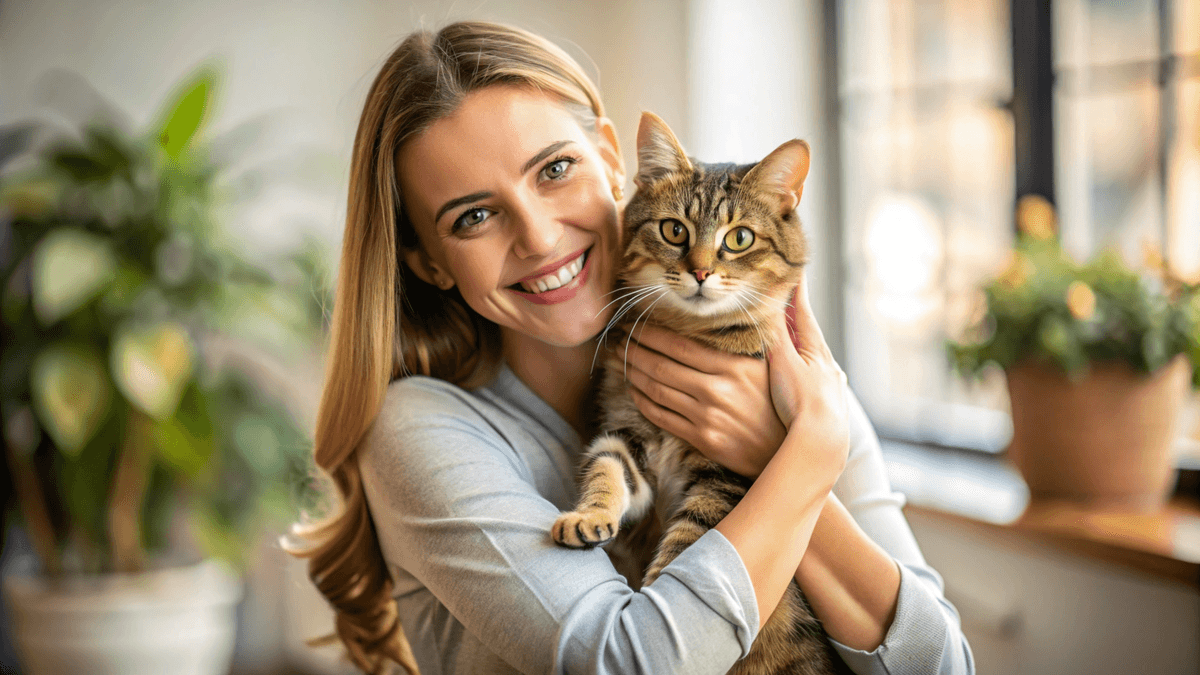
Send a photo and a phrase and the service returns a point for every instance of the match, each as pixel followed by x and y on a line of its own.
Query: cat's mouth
pixel 561 277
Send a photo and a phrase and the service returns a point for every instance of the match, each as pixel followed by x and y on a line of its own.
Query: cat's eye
pixel 674 232
pixel 739 239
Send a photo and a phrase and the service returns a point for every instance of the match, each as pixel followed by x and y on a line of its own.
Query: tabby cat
pixel 712 251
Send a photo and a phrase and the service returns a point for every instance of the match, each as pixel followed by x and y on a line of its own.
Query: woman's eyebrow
pixel 459 201
pixel 546 152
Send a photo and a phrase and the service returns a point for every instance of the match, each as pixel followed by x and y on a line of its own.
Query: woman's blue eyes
pixel 473 217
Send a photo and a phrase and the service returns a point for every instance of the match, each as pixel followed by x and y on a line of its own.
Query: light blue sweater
pixel 463 488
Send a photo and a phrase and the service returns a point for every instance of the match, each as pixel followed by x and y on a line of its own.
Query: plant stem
pixel 32 503
pixel 128 493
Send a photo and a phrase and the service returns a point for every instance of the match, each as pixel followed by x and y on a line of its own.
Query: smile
pixel 556 279
pixel 556 285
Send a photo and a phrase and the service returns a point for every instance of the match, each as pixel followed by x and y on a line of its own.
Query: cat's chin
pixel 701 306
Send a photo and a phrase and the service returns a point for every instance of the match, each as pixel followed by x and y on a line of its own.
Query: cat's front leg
pixel 612 489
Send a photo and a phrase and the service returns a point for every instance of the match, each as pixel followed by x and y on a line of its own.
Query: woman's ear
pixel 610 150
pixel 427 270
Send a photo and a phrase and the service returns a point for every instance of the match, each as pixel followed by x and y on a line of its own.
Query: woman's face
pixel 513 202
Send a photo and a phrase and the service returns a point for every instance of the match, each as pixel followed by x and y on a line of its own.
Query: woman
pixel 457 402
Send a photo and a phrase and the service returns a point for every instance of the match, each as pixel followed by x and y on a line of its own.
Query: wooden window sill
pixel 983 493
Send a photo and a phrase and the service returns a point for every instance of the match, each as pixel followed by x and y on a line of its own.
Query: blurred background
pixel 929 121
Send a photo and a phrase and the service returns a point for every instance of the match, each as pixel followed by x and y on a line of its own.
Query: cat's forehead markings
pixel 723 213
pixel 693 209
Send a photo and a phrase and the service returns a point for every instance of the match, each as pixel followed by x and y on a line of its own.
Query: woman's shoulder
pixel 421 402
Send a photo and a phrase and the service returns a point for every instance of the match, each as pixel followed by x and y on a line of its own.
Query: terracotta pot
pixel 1105 439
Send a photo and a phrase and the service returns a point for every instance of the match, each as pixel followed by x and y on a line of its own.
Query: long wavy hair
pixel 386 322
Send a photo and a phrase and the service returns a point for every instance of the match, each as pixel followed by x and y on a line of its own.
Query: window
pixel 930 174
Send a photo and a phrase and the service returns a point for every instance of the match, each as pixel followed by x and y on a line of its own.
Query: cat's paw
pixel 584 529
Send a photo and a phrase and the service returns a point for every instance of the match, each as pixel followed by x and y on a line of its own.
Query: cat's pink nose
pixel 701 275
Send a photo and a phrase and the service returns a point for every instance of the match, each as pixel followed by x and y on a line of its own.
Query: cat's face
pixel 710 240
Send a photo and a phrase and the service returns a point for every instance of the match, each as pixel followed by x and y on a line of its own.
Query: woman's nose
pixel 537 230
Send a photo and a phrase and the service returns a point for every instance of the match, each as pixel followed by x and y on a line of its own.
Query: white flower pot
pixel 176 621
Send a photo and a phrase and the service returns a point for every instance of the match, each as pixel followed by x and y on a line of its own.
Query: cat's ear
pixel 782 174
pixel 659 152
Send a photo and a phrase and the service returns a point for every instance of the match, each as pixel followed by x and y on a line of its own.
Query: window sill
pixel 983 492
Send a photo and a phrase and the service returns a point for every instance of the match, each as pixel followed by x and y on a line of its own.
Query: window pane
pixel 1105 32
pixel 928 180
pixel 1121 163
pixel 1183 224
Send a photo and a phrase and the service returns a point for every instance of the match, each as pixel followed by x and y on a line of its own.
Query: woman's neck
pixel 561 376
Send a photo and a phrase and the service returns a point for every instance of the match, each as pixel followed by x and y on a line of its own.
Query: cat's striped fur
pixel 636 474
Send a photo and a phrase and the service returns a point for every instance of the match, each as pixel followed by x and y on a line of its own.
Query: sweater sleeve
pixel 926 635
pixel 457 509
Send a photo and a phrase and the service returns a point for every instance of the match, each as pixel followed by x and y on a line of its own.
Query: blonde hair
pixel 386 322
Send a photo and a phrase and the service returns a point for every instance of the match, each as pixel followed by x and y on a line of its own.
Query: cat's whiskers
pixel 632 290
pixel 776 303
pixel 629 304
pixel 758 329
pixel 630 301
pixel 629 338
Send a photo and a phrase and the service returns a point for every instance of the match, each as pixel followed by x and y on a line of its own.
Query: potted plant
pixel 143 465
pixel 1098 360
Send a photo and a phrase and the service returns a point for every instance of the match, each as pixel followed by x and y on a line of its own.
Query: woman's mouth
pixel 557 286
pixel 560 277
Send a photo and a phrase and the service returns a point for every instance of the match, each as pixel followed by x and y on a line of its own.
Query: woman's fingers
pixel 802 325
pixel 661 367
pixel 662 394
pixel 688 352
pixel 787 369
pixel 667 420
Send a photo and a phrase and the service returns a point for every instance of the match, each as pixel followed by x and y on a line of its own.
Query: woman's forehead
pixel 491 135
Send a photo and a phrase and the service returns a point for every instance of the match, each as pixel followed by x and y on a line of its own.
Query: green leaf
pixel 152 365
pixel 69 267
pixel 80 165
pixel 179 450
pixel 185 442
pixel 216 535
pixel 187 113
pixel 71 394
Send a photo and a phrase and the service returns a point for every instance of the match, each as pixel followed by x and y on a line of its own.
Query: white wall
pixel 306 65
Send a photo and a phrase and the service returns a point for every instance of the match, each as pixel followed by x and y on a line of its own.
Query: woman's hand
pixel 808 388
pixel 718 402
pixel 730 407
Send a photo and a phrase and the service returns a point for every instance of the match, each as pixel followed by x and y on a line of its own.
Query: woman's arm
pixel 463 520
pixel 849 580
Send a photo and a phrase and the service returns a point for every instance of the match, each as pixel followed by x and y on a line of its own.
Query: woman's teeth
pixel 561 278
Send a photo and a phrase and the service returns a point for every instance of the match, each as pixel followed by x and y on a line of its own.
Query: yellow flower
pixel 1081 300
pixel 1018 270
pixel 1152 256
pixel 1035 217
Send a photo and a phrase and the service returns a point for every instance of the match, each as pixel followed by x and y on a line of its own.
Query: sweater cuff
pixel 916 640
pixel 712 568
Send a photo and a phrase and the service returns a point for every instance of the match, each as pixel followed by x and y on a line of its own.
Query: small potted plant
pixel 138 460
pixel 1098 359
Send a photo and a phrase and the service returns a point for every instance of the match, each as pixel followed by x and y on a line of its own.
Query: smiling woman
pixel 477 270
